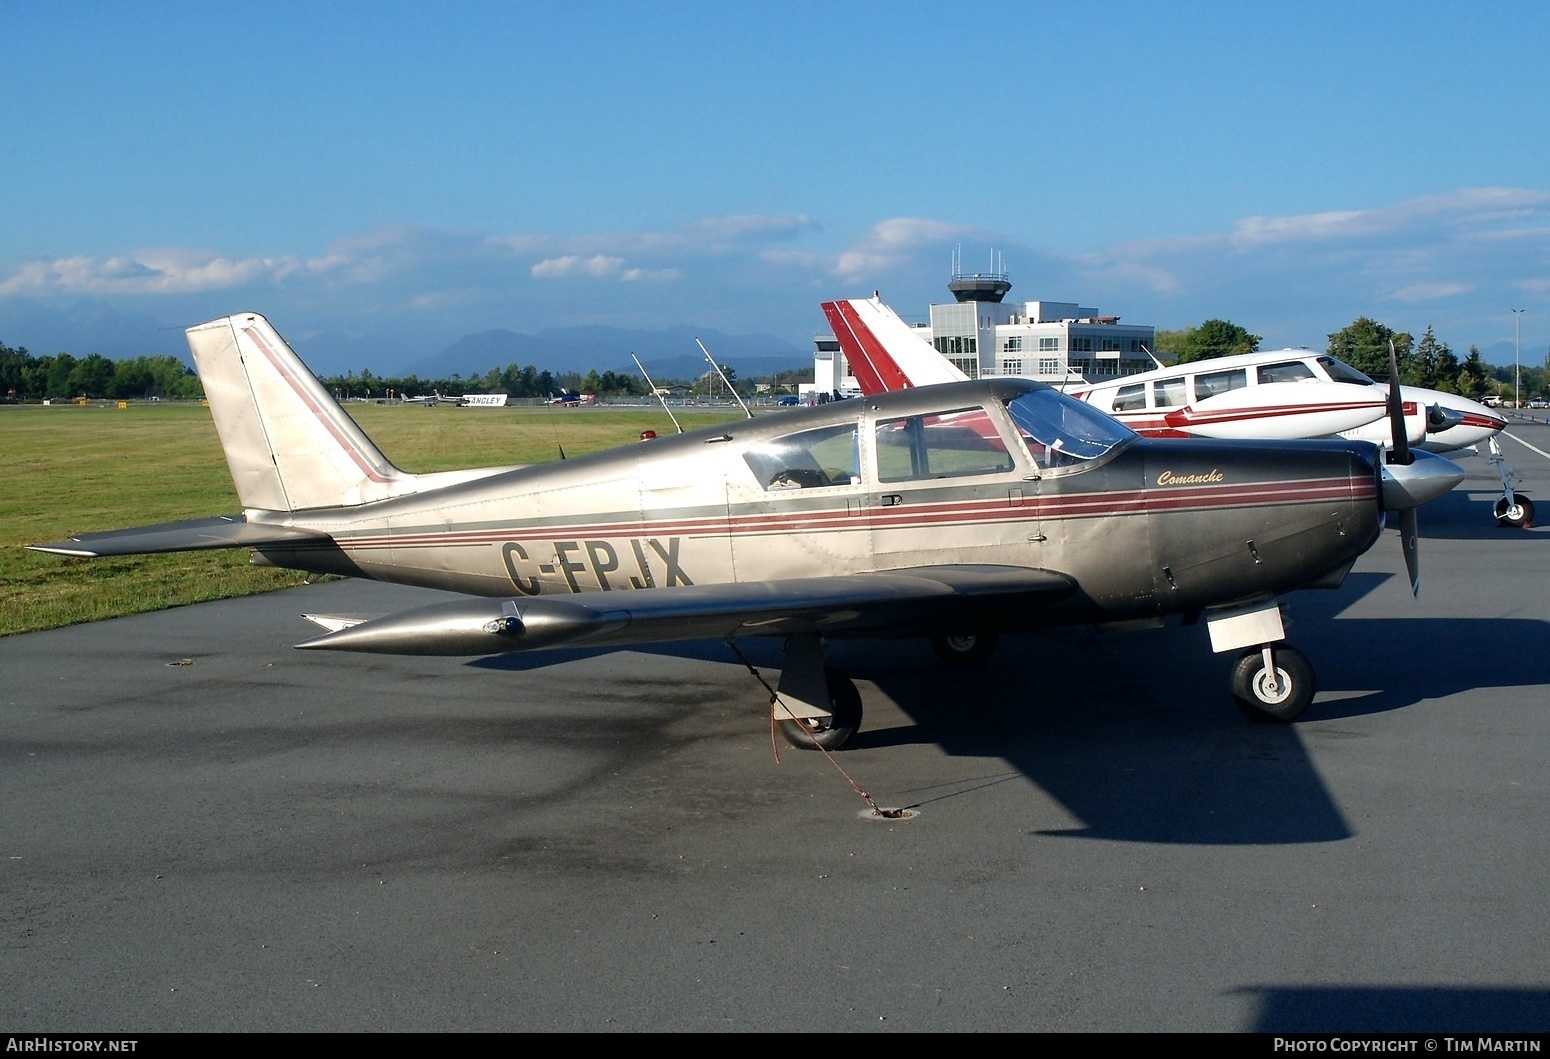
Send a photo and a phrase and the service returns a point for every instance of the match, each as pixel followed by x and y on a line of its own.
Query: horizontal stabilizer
pixel 335 622
pixel 224 531
pixel 854 604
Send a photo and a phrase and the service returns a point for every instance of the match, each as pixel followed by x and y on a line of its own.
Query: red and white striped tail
pixel 883 351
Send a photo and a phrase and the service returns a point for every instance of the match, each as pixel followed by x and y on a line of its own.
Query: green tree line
pixel 514 381
pixel 24 377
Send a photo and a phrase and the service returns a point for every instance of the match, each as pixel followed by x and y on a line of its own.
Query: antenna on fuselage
pixel 658 392
pixel 724 378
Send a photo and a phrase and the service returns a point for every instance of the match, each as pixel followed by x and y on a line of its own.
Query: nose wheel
pixel 1273 683
pixel 1516 512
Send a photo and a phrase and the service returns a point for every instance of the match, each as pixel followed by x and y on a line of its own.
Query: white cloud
pixel 167 271
pixel 597 265
pixel 893 242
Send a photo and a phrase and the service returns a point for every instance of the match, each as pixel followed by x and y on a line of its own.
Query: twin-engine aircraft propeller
pixel 1411 477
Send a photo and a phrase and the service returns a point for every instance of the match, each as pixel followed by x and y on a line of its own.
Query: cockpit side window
pixel 1291 371
pixel 952 444
pixel 812 459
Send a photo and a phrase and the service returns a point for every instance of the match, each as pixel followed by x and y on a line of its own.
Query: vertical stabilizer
pixel 883 351
pixel 289 445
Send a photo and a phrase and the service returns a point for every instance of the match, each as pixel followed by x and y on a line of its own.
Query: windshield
pixel 1061 431
pixel 1340 371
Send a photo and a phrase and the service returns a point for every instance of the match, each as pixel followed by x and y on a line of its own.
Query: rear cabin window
pixel 943 445
pixel 812 459
pixel 1130 398
pixel 1213 383
pixel 1294 371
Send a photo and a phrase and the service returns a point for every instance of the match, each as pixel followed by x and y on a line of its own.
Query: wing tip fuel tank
pixel 473 627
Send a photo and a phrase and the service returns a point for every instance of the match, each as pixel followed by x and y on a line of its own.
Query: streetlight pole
pixel 1517 334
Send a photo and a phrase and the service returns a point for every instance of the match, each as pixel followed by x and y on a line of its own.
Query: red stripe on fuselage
pixel 1070 506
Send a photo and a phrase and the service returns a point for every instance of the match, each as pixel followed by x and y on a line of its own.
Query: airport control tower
pixel 978 286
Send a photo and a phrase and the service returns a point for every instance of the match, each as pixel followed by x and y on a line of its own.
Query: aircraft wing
pixel 924 598
pixel 223 531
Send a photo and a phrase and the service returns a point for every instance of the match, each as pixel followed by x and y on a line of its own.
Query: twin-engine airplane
pixel 952 512
pixel 1281 394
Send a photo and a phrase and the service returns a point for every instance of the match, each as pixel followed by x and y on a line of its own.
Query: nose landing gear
pixel 1273 683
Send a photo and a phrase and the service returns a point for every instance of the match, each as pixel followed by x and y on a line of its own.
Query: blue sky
pixel 421 171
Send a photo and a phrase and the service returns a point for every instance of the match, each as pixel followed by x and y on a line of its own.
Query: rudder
pixel 288 443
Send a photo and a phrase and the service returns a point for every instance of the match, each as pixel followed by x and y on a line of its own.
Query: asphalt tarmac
pixel 203 829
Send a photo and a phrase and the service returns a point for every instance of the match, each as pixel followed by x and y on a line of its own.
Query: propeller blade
pixel 1410 540
pixel 1400 452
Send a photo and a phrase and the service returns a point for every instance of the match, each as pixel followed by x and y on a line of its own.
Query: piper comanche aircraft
pixel 1278 394
pixel 951 512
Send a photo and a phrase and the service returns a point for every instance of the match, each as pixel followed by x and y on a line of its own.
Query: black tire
pixel 832 732
pixel 1294 675
pixel 1517 514
pixel 965 650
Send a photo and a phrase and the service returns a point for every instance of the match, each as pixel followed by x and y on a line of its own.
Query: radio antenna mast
pixel 724 378
pixel 658 392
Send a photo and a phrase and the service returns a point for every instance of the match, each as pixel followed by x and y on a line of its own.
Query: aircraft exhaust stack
pixel 475 627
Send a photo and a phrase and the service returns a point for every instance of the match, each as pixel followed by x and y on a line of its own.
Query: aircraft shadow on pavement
pixel 1398 1009
pixel 1136 733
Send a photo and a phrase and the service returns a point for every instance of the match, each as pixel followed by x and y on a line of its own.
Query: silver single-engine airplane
pixel 953 512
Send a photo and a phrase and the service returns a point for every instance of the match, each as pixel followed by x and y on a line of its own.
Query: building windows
pixel 1108 345
pixel 1051 366
pixel 1011 367
pixel 1013 344
pixel 1049 344
pixel 1081 344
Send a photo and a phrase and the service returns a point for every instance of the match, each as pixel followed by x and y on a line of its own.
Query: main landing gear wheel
pixel 1517 514
pixel 965 649
pixel 1281 698
pixel 834 731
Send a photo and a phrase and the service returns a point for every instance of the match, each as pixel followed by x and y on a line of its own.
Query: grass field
pixel 75 469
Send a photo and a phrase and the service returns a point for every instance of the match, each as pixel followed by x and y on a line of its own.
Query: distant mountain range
pixel 667 354
pixel 91 326
pixel 95 326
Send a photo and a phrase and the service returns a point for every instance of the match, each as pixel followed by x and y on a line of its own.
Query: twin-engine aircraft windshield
pixel 1063 432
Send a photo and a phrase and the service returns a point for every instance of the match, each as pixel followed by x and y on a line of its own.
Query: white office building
pixel 985 336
